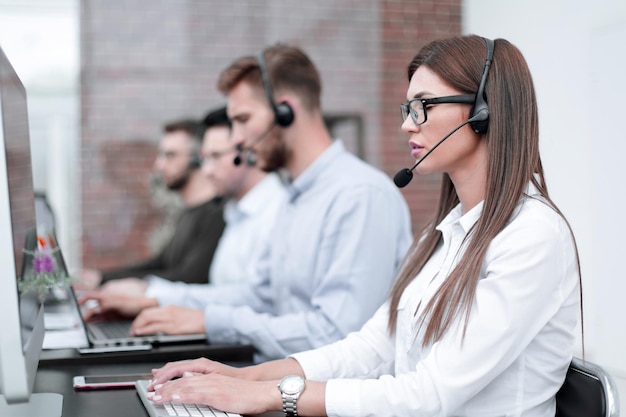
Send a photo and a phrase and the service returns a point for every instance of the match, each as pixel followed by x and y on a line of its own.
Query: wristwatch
pixel 290 388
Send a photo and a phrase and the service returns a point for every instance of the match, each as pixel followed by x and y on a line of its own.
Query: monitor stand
pixel 38 405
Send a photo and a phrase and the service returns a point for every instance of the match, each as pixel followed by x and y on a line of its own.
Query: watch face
pixel 292 385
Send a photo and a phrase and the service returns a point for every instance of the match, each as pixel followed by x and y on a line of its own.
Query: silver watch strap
pixel 289 406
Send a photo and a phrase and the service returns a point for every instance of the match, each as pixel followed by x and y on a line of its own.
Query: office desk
pixel 58 378
pixel 122 402
pixel 223 353
pixel 95 403
pixel 57 369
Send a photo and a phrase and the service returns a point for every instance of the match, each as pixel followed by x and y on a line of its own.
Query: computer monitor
pixel 21 316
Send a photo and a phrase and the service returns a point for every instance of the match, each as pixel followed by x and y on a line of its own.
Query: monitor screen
pixel 20 186
pixel 22 325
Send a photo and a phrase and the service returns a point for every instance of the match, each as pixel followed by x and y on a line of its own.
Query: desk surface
pixel 122 402
pixel 57 369
pixel 96 403
pixel 224 353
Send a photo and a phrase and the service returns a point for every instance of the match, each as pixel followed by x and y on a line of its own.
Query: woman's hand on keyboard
pixel 234 395
pixel 200 366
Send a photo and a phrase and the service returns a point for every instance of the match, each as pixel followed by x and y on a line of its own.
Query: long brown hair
pixel 513 162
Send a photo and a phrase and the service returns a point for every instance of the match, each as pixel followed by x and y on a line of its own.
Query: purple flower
pixel 43 263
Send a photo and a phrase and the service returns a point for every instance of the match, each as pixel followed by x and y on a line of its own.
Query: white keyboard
pixel 176 409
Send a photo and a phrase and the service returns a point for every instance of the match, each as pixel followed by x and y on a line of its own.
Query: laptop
pixel 115 334
pixel 176 409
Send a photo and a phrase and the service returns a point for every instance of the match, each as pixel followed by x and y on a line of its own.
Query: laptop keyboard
pixel 176 409
pixel 111 329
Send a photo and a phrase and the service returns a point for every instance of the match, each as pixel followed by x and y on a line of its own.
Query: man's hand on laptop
pixel 99 304
pixel 169 320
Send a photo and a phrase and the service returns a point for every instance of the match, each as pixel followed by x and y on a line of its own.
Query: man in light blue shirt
pixel 253 198
pixel 338 240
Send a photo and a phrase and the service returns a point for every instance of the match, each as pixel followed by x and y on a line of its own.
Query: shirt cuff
pixel 340 397
pixel 310 363
pixel 219 324
pixel 340 393
pixel 156 286
pixel 165 291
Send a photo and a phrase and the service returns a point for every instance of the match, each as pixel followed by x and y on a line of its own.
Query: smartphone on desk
pixel 89 382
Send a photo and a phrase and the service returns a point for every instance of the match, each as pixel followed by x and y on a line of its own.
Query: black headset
pixel 480 103
pixel 282 111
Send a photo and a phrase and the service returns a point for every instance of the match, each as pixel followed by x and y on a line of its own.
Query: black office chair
pixel 588 391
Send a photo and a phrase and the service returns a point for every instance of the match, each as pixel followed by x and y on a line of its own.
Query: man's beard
pixel 179 183
pixel 275 155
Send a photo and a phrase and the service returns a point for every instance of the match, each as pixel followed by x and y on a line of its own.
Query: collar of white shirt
pixel 468 219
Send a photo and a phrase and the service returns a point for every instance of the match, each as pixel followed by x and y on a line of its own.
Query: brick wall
pixel 147 63
pixel 406 27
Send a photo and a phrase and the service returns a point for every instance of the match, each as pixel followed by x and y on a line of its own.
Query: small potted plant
pixel 45 274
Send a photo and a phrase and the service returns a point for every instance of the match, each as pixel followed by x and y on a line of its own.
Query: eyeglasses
pixel 417 107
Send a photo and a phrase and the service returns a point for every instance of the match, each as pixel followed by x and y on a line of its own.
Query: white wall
pixel 576 52
pixel 41 39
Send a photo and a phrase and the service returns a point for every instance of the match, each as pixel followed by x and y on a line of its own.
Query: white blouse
pixel 517 347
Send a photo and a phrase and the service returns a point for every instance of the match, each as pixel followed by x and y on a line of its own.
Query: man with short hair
pixel 253 198
pixel 189 252
pixel 339 237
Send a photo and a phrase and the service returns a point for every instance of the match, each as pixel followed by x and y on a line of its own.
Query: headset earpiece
pixel 283 112
pixel 480 111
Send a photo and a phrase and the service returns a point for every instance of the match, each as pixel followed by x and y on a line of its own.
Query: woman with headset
pixel 482 317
